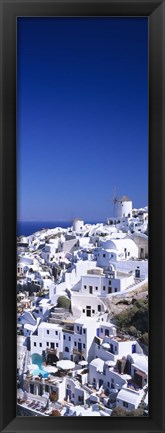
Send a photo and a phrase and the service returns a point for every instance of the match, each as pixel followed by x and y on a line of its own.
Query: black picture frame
pixel 155 10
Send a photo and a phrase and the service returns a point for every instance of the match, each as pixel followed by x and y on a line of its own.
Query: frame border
pixel 155 10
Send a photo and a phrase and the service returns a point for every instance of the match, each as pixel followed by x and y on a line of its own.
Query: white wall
pixel 81 302
pixel 55 336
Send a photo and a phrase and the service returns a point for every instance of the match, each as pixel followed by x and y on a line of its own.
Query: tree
pixel 55 412
pixel 64 302
pixel 119 412
pixel 136 412
pixel 144 339
pixel 133 331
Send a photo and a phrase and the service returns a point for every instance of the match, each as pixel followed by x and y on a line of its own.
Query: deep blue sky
pixel 82 116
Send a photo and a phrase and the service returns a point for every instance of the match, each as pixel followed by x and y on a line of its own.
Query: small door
pixel 137 273
pixel 31 388
pixel 133 348
pixel 79 347
pixel 68 393
pixel 100 382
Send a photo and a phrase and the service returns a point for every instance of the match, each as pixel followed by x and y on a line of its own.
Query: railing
pixel 70 331
pixel 78 352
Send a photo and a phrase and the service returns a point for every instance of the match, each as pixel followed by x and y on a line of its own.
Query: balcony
pixel 78 352
pixel 69 331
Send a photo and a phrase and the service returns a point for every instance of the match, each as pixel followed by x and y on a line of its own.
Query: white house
pixel 47 336
pixel 141 240
pixel 114 348
pixel 79 339
pixel 101 375
pixel 87 305
pixel 128 398
pixel 119 249
pixel 105 283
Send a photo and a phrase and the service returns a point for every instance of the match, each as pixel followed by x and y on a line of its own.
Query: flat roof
pixel 46 325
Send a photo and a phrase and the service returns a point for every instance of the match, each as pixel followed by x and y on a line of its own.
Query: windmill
pixel 115 201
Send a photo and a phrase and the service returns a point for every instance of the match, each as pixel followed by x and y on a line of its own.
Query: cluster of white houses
pixel 87 264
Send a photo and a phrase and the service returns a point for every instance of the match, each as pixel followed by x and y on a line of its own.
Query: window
pixel 115 289
pixel 128 254
pixel 99 307
pixel 90 289
pixel 112 380
pixel 77 328
pixel 69 338
pixel 47 343
pixel 93 311
pixel 84 346
pixel 75 343
pixel 109 281
pixel 72 395
pixel 56 344
pixel 66 349
pixel 125 404
pixel 40 344
pixel 56 332
pixel 96 288
pixel 103 287
pixel 104 255
pixel 84 331
pixel 108 384
pixel 35 344
pixel 85 287
pixel 88 311
pixel 64 337
pixel 47 331
pixel 83 310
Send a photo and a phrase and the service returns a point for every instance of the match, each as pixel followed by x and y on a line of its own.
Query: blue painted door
pixel 79 347
pixel 68 393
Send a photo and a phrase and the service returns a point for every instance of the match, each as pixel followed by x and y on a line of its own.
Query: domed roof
pixel 98 363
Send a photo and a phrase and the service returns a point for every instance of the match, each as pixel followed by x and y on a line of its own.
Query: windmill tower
pixel 122 207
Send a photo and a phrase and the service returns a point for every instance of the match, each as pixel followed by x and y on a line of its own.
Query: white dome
pixel 98 363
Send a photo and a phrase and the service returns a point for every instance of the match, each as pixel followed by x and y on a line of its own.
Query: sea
pixel 27 228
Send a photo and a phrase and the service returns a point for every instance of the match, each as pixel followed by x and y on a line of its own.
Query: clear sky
pixel 82 116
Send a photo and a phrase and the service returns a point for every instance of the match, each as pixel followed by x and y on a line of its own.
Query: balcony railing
pixel 78 352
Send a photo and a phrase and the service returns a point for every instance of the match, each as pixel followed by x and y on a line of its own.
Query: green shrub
pixel 119 412
pixel 133 331
pixel 144 338
pixel 134 319
pixel 63 302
